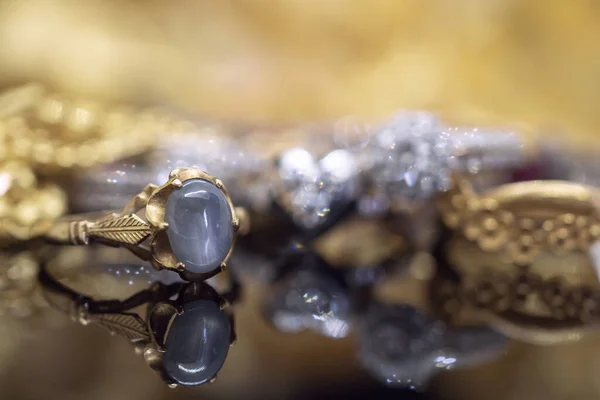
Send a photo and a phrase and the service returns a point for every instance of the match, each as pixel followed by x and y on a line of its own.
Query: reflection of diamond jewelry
pixel 403 347
pixel 414 156
pixel 310 300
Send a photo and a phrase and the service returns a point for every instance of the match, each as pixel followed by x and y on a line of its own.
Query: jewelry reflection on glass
pixel 185 334
pixel 403 347
pixel 189 225
pixel 309 299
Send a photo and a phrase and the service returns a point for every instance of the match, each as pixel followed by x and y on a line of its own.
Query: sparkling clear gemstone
pixel 414 155
pixel 200 225
pixel 297 165
pixel 197 343
pixel 313 187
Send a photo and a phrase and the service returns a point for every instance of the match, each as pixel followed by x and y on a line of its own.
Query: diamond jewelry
pixel 311 190
pixel 407 160
pixel 415 156
pixel 189 225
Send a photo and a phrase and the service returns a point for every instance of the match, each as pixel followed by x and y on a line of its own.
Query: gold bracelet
pixel 51 130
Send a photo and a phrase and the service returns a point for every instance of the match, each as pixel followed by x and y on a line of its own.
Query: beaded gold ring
pixel 523 257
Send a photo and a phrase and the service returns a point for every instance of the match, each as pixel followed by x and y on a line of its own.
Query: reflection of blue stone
pixel 197 343
pixel 200 225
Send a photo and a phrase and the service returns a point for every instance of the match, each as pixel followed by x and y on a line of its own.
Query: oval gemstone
pixel 200 225
pixel 197 343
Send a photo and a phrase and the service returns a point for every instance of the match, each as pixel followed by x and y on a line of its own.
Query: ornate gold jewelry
pixel 186 340
pixel 520 259
pixel 522 219
pixel 189 225
pixel 56 130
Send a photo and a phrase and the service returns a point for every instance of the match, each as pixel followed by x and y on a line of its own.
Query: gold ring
pixel 187 225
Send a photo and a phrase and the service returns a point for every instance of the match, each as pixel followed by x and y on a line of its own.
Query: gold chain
pixel 46 129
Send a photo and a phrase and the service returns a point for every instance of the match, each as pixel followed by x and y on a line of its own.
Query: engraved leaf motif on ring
pixel 129 326
pixel 129 229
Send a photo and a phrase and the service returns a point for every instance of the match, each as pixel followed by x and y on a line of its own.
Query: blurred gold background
pixel 531 64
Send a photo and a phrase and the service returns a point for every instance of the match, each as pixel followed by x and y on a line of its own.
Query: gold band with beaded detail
pixel 524 258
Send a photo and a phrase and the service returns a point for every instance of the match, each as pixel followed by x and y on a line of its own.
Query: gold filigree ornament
pixel 142 226
pixel 537 280
pixel 522 219
pixel 52 130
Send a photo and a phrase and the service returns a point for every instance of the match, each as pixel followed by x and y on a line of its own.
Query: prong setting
pixel 171 245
